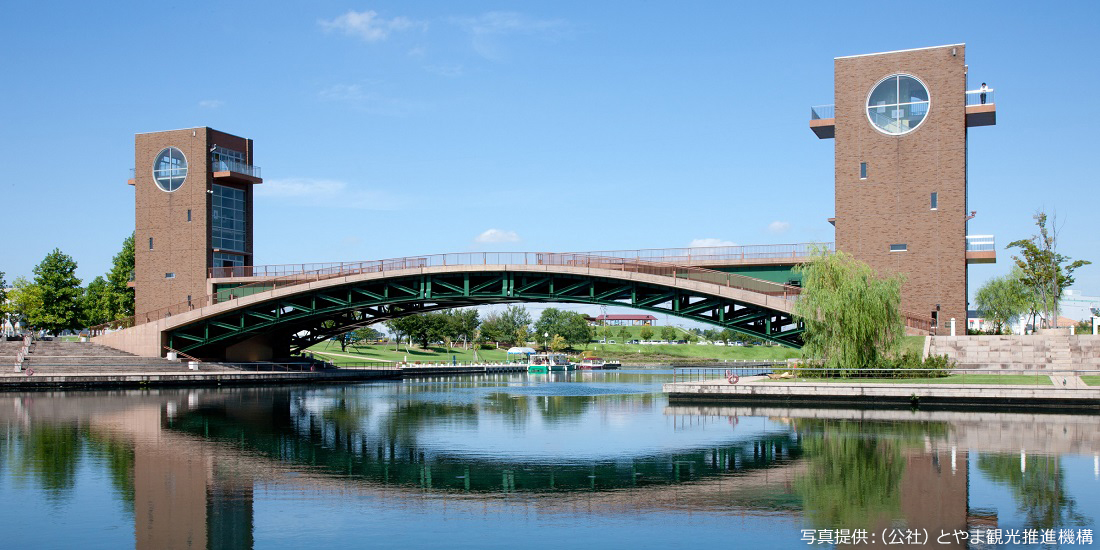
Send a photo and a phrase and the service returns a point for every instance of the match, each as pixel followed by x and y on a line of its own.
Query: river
pixel 583 459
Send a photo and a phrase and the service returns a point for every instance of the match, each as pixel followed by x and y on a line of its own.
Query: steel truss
pixel 314 315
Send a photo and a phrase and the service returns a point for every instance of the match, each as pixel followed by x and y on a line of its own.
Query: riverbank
pixel 98 380
pixel 759 390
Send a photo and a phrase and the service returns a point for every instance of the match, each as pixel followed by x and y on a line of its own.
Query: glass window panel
pixel 884 119
pixel 911 90
pixel 912 115
pixel 886 93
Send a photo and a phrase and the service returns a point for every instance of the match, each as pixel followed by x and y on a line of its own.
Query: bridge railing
pixel 329 271
pixel 680 256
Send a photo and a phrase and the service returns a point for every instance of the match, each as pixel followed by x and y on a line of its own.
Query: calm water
pixel 588 459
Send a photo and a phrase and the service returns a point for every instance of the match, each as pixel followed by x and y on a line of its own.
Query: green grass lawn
pixel 1091 380
pixel 913 344
pixel 619 350
pixel 991 379
pixel 622 352
pixel 387 353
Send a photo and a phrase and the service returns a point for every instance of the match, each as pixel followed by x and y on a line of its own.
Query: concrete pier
pixel 71 381
pixel 871 395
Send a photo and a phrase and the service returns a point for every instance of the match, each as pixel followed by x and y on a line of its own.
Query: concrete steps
pixel 84 358
pixel 1047 352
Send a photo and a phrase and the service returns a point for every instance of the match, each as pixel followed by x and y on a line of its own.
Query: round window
pixel 898 104
pixel 170 169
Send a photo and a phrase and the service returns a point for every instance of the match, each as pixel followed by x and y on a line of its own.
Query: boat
pixel 546 362
pixel 595 363
pixel 590 364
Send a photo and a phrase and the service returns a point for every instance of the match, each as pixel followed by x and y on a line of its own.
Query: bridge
pixel 266 313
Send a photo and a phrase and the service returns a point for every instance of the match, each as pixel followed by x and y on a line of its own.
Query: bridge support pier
pixel 263 347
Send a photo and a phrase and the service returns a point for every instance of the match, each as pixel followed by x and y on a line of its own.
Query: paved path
pixel 359 357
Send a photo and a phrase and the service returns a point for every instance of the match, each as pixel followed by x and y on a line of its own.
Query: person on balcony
pixel 983 91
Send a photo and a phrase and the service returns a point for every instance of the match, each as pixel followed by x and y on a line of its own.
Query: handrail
pixel 822 112
pixel 665 255
pixel 979 97
pixel 24 351
pixel 226 165
pixel 694 373
pixel 184 355
pixel 675 271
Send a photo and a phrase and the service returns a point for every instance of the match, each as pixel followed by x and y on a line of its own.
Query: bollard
pixel 952 326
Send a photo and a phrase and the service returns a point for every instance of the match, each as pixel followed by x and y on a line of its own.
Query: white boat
pixel 595 363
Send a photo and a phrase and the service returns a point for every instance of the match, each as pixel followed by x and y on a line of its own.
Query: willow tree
pixel 851 313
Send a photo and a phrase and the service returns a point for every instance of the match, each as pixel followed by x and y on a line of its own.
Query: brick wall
pixel 892 206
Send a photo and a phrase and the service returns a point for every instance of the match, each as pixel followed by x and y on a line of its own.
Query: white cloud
pixel 343 92
pixel 702 243
pixel 509 22
pixel 363 99
pixel 445 70
pixel 779 227
pixel 211 103
pixel 485 30
pixel 367 25
pixel 323 192
pixel 497 236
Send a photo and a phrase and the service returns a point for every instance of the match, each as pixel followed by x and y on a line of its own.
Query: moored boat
pixel 595 363
pixel 546 362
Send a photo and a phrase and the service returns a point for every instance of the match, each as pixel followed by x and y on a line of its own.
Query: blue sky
pixel 390 129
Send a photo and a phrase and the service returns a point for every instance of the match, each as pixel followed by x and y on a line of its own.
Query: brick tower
pixel 900 127
pixel 193 211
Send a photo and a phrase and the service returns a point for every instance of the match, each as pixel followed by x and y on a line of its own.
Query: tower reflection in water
pixel 187 462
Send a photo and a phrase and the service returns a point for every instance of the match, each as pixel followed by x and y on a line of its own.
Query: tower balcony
pixel 239 172
pixel 981 110
pixel 823 121
pixel 981 249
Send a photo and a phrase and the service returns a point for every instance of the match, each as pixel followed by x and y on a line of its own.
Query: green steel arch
pixel 307 313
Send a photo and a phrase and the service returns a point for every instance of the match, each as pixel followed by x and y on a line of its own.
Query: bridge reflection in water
pixel 188 462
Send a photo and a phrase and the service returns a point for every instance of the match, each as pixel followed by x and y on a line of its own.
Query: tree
pixel 646 333
pixel 400 328
pixel 96 303
pixel 570 325
pixel 509 326
pixel 425 328
pixel 3 294
pixel 1002 299
pixel 120 296
pixel 1046 272
pixel 850 313
pixel 60 294
pixel 557 343
pixel 668 333
pixel 24 297
pixel 624 334
pixel 466 324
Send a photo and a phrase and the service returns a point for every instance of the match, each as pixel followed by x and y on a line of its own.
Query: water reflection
pixel 191 467
pixel 1038 486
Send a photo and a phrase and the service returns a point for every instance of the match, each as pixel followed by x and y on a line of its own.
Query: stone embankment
pixel 82 365
pixel 1051 352
pixel 1062 358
